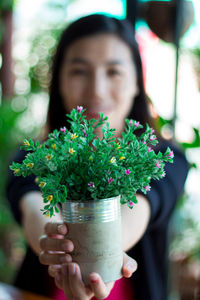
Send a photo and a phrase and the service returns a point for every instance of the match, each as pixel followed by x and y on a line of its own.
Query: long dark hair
pixel 86 26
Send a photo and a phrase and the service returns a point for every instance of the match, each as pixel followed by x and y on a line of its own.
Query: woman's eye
pixel 78 72
pixel 114 72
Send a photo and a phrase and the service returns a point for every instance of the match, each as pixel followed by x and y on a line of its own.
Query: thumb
pixel 65 282
pixel 129 266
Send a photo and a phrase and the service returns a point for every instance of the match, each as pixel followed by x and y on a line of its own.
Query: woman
pixel 97 65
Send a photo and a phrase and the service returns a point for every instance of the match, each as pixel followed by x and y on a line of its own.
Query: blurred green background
pixel 26 49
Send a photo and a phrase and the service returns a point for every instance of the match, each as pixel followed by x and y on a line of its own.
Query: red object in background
pixel 143 38
pixel 122 290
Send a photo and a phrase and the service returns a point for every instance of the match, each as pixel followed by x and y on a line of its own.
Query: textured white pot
pixel 95 229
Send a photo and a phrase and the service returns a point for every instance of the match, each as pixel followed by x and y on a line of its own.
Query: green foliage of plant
pixel 6 5
pixel 10 134
pixel 195 143
pixel 76 164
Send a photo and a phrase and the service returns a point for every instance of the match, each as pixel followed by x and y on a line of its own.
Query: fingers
pixel 46 258
pixel 53 244
pixel 55 272
pixel 129 266
pixel 66 284
pixel 100 290
pixel 59 280
pixel 55 228
pixel 75 281
pixel 73 284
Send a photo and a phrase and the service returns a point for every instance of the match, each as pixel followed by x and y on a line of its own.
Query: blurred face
pixel 99 74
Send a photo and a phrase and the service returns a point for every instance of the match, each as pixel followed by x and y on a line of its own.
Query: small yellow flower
pixel 113 160
pixel 54 146
pixel 71 150
pixel 47 215
pixel 26 143
pixel 30 165
pixel 119 146
pixel 16 171
pixel 37 179
pixel 42 184
pixel 74 136
pixel 50 198
pixel 48 156
pixel 91 158
pixel 122 157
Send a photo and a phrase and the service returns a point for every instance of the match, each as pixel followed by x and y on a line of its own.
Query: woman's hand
pixel 68 277
pixel 66 273
pixel 55 247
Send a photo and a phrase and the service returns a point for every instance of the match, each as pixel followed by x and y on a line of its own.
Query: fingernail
pixel 131 266
pixel 62 229
pixel 64 246
pixel 71 269
pixel 66 258
pixel 94 278
pixel 67 246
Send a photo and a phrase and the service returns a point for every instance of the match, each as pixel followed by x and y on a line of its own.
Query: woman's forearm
pixel 33 220
pixel 134 222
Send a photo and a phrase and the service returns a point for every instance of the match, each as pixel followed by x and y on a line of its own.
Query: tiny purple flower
pixel 130 122
pixel 163 174
pixel 79 109
pixel 85 134
pixel 136 124
pixel 152 138
pixel 127 172
pixel 147 188
pixel 63 130
pixel 131 203
pixel 170 155
pixel 110 180
pixel 144 142
pixel 149 149
pixel 91 184
pixel 152 130
pixel 158 165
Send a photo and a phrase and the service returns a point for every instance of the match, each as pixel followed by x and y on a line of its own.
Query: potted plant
pixel 91 177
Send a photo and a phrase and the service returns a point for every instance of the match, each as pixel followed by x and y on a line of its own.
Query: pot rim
pixel 93 200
